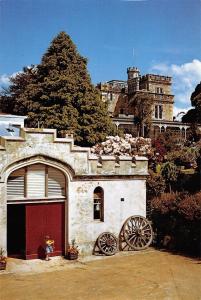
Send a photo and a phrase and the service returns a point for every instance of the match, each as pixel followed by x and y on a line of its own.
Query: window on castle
pixel 159 90
pixel 158 112
pixel 99 204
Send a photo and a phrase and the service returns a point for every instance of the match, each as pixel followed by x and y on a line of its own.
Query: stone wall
pixel 165 87
pixel 168 112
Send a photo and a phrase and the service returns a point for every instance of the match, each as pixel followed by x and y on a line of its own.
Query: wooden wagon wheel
pixel 107 243
pixel 137 232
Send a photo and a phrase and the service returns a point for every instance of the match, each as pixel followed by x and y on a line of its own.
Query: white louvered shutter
pixel 15 184
pixel 56 183
pixel 36 181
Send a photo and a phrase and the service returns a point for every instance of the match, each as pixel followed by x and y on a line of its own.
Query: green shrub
pixel 184 157
pixel 177 218
pixel 190 207
pixel 155 185
pixel 169 172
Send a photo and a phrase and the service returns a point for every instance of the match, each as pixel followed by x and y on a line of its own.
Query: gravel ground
pixel 140 275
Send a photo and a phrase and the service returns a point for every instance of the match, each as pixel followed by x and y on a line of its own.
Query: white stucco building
pixel 48 186
pixel 11 124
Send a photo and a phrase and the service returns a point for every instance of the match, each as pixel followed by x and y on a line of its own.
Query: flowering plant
pixel 3 258
pixel 73 249
pixel 126 146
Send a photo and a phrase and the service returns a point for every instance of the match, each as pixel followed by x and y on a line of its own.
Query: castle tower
pixel 133 79
pixel 158 87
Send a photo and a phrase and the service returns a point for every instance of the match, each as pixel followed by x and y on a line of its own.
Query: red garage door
pixel 44 188
pixel 28 224
pixel 41 220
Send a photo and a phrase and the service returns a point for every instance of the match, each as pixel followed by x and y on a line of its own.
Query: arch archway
pixel 36 207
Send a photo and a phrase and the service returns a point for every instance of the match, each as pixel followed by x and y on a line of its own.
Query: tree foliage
pixel 184 156
pixel 170 173
pixel 165 143
pixel 196 97
pixel 142 104
pixel 194 115
pixel 58 93
pixel 155 185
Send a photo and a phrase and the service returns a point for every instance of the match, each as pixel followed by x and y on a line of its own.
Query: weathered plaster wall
pixel 44 143
pixel 83 228
pixel 84 172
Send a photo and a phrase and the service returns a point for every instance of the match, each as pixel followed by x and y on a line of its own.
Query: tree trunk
pixel 170 188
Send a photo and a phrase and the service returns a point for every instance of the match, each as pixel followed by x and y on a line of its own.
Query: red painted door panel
pixel 41 220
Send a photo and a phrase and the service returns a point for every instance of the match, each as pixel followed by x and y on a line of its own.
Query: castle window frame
pixel 98 204
pixel 159 90
pixel 158 112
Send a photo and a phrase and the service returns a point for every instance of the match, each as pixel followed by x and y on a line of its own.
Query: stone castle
pixel 119 94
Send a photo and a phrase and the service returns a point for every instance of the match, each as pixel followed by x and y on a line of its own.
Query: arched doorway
pixel 36 197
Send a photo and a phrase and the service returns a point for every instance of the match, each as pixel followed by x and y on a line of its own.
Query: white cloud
pixel 179 112
pixel 5 79
pixel 185 77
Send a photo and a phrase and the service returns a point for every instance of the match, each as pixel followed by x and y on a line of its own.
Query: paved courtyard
pixel 141 275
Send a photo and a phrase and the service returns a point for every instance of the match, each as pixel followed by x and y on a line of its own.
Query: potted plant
pixel 72 251
pixel 3 259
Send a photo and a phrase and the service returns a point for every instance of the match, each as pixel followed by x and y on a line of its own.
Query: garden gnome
pixel 49 247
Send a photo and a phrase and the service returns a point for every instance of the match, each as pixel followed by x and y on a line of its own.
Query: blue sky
pixel 163 35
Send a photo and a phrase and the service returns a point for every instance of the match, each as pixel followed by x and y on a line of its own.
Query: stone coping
pixel 121 157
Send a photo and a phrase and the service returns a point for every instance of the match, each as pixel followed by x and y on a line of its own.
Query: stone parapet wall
pixel 44 142
pixel 110 165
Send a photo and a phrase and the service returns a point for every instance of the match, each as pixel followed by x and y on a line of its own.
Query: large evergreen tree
pixel 58 93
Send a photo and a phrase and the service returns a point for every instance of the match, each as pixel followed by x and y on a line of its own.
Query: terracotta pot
pixel 2 265
pixel 72 256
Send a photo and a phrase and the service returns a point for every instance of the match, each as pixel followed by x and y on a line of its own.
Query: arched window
pixel 162 129
pixel 36 181
pixel 98 204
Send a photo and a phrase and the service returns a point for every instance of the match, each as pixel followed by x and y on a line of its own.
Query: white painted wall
pixel 83 228
pixel 12 120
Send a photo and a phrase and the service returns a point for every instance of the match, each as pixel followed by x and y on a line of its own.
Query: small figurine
pixel 49 246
